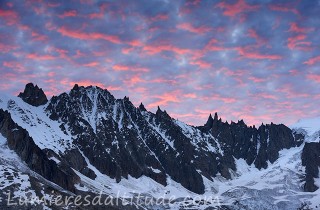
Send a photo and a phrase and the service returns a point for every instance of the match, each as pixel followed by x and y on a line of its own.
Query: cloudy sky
pixel 257 60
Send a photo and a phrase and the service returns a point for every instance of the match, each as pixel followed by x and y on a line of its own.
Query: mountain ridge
pixel 113 137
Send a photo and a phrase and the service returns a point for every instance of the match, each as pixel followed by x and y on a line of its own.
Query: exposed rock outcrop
pixel 33 95
pixel 20 141
pixel 311 160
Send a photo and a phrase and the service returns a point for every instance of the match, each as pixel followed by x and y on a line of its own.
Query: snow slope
pixel 277 187
pixel 44 131
pixel 10 174
pixel 311 126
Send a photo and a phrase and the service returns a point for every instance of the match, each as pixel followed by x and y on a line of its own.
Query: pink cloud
pixel 294 72
pixel 234 73
pixel 79 54
pixel 265 96
pixel 57 50
pixel 127 50
pixel 253 34
pixel 202 64
pixel 256 79
pixel 52 4
pixel 243 51
pixel 163 80
pixel 133 80
pixel 164 99
pixel 17 66
pixel 288 90
pixel 189 27
pixel 50 26
pixel 40 10
pixel 89 36
pixel 135 43
pixel 295 28
pixel 102 10
pixel 70 13
pixel 155 49
pixel 51 74
pixel 298 42
pixel 4 48
pixel 314 77
pixel 237 8
pixel 283 8
pixel 214 45
pixel 120 67
pixel 38 37
pixel 91 64
pixel 190 95
pixel 160 17
pixel 40 57
pixel 10 16
pixel 217 97
pixel 313 60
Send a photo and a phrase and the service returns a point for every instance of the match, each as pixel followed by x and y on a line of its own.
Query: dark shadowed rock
pixel 209 122
pixel 20 141
pixel 311 160
pixel 33 95
pixel 142 108
pixel 215 116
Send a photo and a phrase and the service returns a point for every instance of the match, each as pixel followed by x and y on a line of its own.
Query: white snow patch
pixel 311 125
pixel 155 170
pixel 45 132
pixel 10 176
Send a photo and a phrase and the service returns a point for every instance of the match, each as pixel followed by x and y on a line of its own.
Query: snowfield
pixel 310 126
pixel 45 132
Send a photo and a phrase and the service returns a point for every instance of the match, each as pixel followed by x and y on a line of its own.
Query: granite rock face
pixel 132 141
pixel 311 160
pixel 255 145
pixel 20 141
pixel 33 95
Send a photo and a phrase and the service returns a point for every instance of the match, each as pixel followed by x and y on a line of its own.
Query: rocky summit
pixel 33 95
pixel 87 142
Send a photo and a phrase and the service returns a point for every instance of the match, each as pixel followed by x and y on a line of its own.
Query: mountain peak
pixel 162 114
pixel 209 122
pixel 212 120
pixel 75 87
pixel 141 107
pixel 33 95
pixel 216 116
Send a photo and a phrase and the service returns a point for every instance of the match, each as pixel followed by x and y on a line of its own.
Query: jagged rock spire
pixel 33 95
pixel 158 112
pixel 141 107
pixel 209 122
pixel 241 122
pixel 216 116
pixel 162 114
pixel 75 87
pixel 212 120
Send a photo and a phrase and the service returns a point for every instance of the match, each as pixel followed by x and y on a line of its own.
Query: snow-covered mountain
pixel 86 142
pixel 309 127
